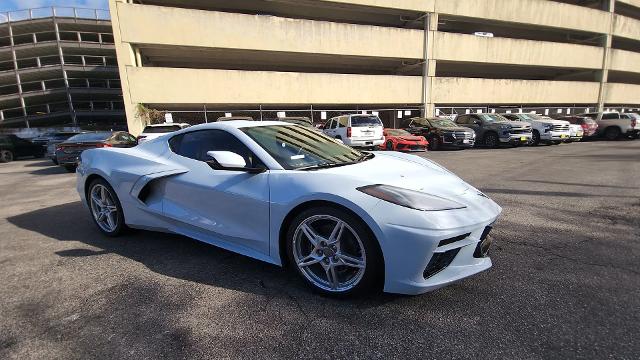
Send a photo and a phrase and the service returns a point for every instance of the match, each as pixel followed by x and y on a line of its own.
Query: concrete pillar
pixel 72 110
pixel 603 74
pixel 429 64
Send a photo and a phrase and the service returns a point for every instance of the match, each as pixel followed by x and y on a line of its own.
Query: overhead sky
pixel 10 5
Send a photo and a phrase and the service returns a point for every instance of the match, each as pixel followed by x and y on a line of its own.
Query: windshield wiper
pixel 323 166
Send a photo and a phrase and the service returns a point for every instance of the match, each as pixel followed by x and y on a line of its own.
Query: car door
pixel 226 208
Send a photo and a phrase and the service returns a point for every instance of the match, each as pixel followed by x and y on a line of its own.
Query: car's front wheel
pixel 389 145
pixel 6 156
pixel 334 252
pixel 491 140
pixel 434 143
pixel 535 138
pixel 105 207
pixel 612 133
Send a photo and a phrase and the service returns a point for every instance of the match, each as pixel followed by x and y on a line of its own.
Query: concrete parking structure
pixel 368 55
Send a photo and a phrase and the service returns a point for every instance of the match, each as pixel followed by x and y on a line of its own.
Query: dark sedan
pixel 12 147
pixel 50 140
pixel 68 152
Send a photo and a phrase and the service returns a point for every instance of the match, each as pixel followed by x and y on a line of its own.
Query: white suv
pixel 357 130
pixel 156 130
pixel 544 129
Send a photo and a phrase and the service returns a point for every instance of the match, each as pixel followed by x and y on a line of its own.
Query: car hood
pixel 553 121
pixel 406 171
pixel 453 128
pixel 515 124
pixel 408 138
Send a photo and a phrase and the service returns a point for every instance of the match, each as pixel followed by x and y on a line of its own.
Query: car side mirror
pixel 230 161
pixel 476 122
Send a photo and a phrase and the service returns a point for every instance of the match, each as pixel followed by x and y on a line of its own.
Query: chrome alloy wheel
pixel 329 253
pixel 103 208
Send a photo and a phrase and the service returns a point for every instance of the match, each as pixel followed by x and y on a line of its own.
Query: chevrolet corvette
pixel 346 221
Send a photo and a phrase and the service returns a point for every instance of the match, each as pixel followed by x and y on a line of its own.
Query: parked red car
pixel 589 125
pixel 401 140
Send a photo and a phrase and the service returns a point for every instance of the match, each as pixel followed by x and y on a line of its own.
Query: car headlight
pixel 410 198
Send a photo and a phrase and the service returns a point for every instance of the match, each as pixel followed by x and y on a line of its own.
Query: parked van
pixel 357 130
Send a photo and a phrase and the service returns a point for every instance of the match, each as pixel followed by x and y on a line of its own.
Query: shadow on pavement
pixel 170 255
pixel 51 170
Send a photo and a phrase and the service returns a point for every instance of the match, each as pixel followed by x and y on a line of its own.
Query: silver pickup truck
pixel 613 125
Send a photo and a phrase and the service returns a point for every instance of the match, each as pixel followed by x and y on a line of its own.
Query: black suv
pixel 12 147
pixel 493 129
pixel 440 133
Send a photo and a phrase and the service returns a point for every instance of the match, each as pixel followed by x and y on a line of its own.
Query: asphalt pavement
pixel 565 281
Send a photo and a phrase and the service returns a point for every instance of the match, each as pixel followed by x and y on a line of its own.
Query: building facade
pixel 203 59
pixel 58 69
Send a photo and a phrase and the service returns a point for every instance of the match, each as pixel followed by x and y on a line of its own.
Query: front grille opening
pixel 453 239
pixel 439 261
pixel 483 246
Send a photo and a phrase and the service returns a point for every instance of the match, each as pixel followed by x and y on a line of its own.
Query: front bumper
pixel 459 143
pixel 411 239
pixel 555 136
pixel 516 138
pixel 411 147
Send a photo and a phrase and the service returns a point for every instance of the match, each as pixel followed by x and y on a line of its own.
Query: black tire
pixel 389 145
pixel 535 138
pixel 374 265
pixel 491 140
pixel 39 155
pixel 612 133
pixel 70 168
pixel 6 156
pixel 121 227
pixel 434 143
pixel 54 160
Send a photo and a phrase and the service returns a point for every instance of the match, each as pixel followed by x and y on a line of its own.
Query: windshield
pixel 397 132
pixel 528 117
pixel 90 137
pixel 443 122
pixel 297 147
pixel 360 121
pixel 161 129
pixel 490 118
pixel 297 122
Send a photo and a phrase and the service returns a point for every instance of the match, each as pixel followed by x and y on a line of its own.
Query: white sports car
pixel 346 220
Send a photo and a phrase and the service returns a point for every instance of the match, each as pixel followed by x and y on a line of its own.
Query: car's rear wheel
pixel 6 156
pixel 491 140
pixel 334 252
pixel 105 207
pixel 54 160
pixel 389 145
pixel 612 133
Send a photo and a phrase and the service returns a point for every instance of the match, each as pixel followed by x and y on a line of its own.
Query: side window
pixel 334 123
pixel 121 137
pixel 461 119
pixel 610 116
pixel 196 144
pixel 342 121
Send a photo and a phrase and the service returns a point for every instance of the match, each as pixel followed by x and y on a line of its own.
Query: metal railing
pixel 55 11
pixel 61 106
pixel 50 36
pixel 52 60
pixel 58 83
